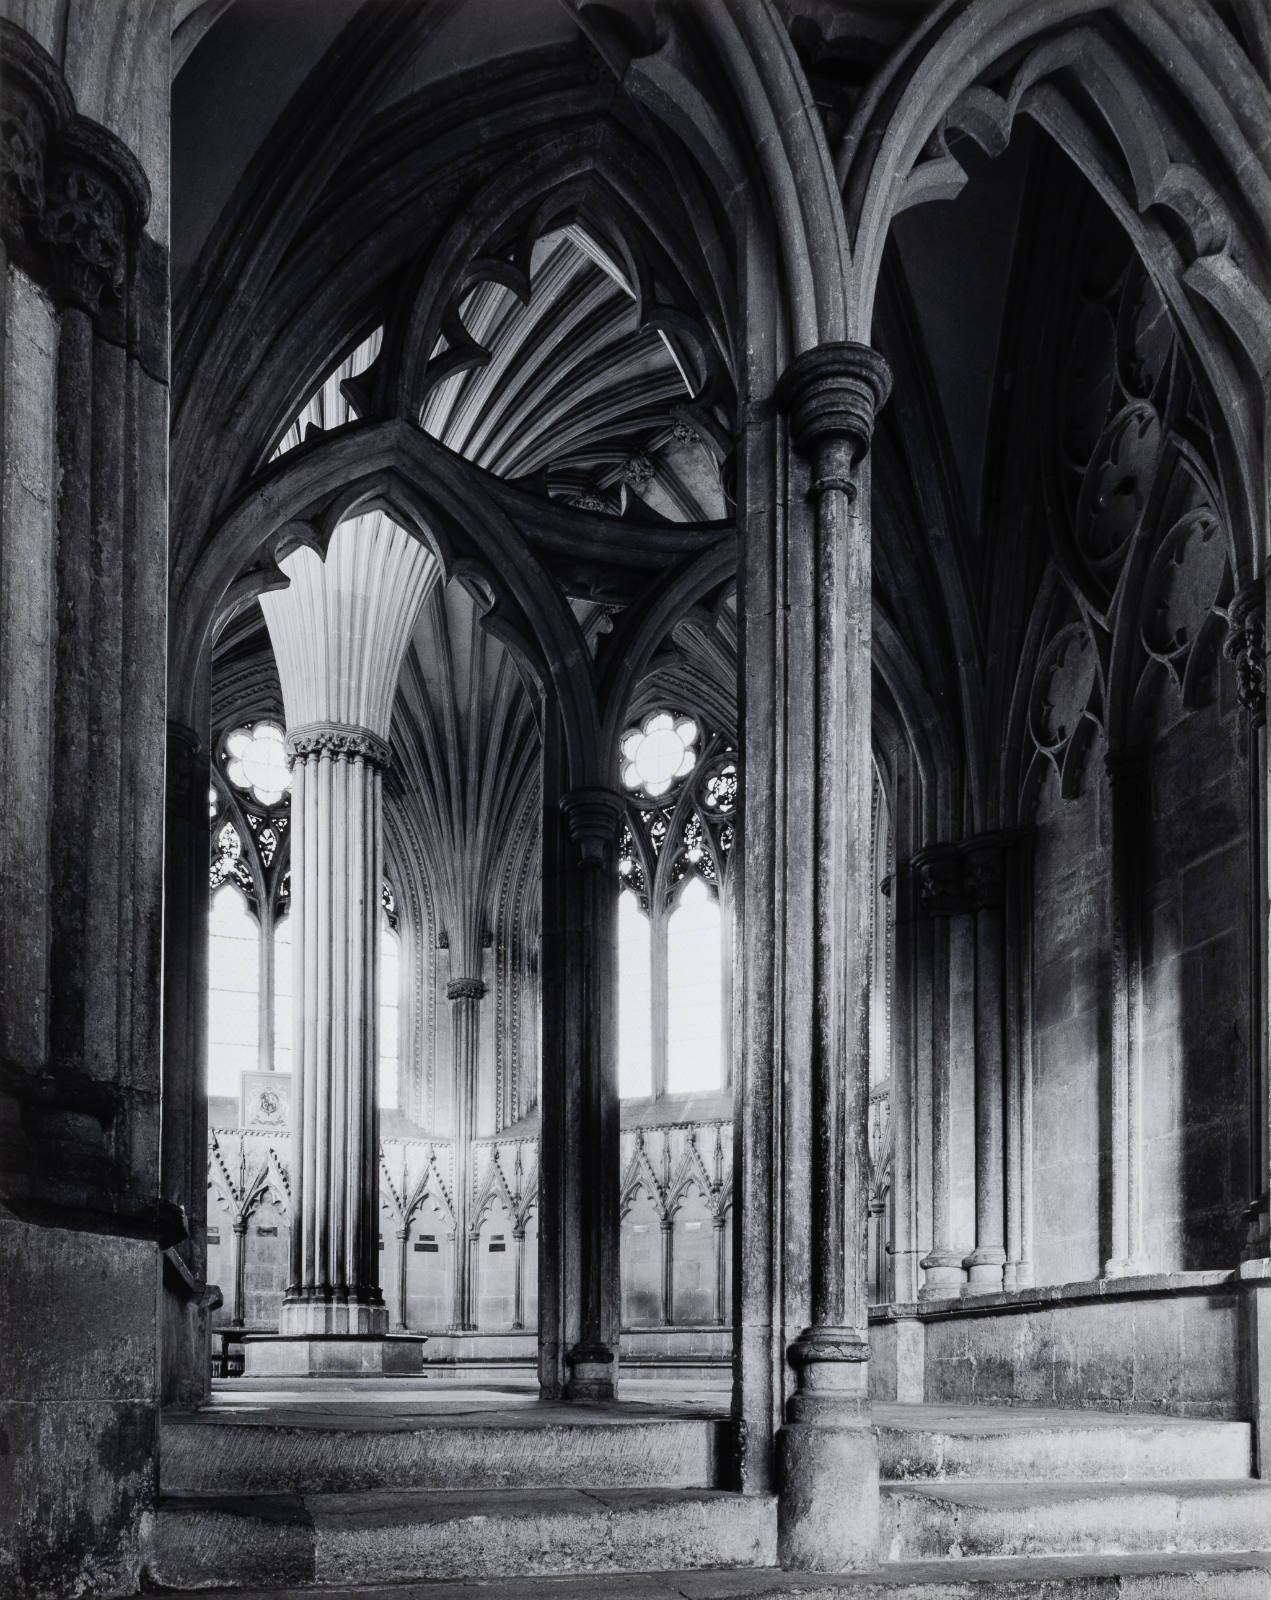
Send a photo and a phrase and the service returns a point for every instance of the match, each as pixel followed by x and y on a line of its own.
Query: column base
pixel 349 1318
pixel 332 1355
pixel 593 1373
pixel 943 1275
pixel 984 1271
pixel 828 1497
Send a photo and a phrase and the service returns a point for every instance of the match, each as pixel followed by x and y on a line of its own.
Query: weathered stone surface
pixel 389 1536
pixel 332 1355
pixel 1014 1444
pixel 1019 1519
pixel 828 1509
pixel 1177 1353
pixel 468 1451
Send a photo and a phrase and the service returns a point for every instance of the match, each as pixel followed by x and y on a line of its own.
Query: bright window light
pixel 635 1007
pixel 694 1010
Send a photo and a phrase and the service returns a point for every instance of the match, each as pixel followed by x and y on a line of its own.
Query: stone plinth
pixel 275 1355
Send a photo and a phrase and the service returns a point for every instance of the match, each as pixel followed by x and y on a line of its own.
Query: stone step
pixel 401 1536
pixel 926 1442
pixel 204 1454
pixel 1179 1577
pixel 941 1521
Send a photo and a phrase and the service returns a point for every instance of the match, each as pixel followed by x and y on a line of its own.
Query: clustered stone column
pixel 339 634
pixel 335 877
pixel 828 1454
pixel 85 1196
pixel 968 892
pixel 939 871
pixel 465 996
pixel 580 1148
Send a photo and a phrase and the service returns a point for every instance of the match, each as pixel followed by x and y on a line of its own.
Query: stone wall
pixel 1071 1025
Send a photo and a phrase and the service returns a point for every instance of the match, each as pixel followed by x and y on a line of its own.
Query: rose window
pixel 657 754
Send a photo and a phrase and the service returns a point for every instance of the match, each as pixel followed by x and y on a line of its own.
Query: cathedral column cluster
pixel 817 910
pixel 465 996
pixel 580 1144
pixel 339 632
pixel 969 896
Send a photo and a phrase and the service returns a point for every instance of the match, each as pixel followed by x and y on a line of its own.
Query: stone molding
pixel 73 198
pixel 816 1345
pixel 832 393
pixel 594 818
pixel 340 742
pixel 466 989
pixel 1246 647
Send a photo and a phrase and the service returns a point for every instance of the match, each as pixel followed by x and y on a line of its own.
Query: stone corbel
pixel 594 819
pixel 831 394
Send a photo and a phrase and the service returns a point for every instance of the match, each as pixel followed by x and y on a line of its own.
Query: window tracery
pixel 675 906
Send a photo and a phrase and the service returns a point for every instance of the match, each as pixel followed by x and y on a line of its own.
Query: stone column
pixel 518 1278
pixel 465 996
pixel 939 870
pixel 335 876
pixel 719 1224
pixel 403 1259
pixel 84 330
pixel 240 1272
pixel 579 1300
pixel 828 1453
pixel 667 1231
pixel 1127 784
pixel 187 1299
pixel 339 633
pixel 984 859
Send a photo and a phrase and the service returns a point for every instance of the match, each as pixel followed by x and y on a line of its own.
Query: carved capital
pixel 1246 647
pixel 594 818
pixel 941 884
pixel 638 471
pixel 36 106
pixel 466 989
pixel 339 743
pixel 832 394
pixel 73 197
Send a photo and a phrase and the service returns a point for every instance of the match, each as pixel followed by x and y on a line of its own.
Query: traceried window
pixel 635 999
pixel 657 754
pixel 674 911
pixel 233 990
pixel 390 1001
pixel 256 762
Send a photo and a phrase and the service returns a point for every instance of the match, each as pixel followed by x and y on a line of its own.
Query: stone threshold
pixel 1035 1297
